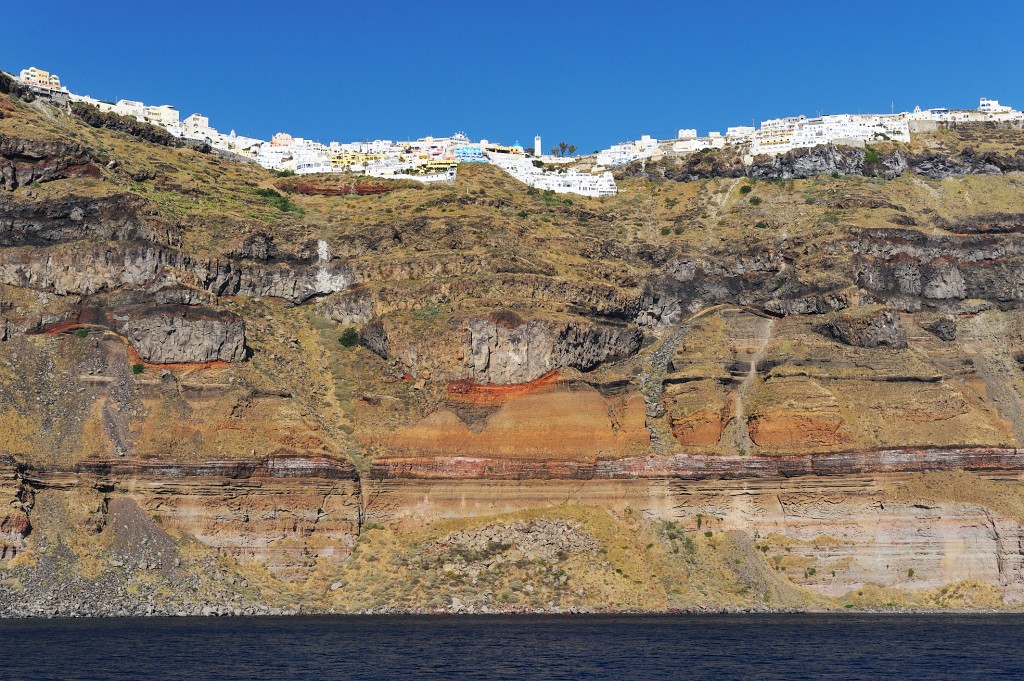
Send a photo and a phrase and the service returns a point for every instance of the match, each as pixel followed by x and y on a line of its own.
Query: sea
pixel 642 647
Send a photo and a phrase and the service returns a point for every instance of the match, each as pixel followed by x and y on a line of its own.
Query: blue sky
pixel 589 73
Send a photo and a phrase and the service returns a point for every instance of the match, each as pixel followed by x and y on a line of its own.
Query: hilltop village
pixel 436 159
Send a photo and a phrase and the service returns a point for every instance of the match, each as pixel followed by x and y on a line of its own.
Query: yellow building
pixel 35 76
pixel 347 159
pixel 438 165
pixel 502 149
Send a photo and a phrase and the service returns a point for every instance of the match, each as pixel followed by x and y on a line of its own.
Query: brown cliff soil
pixel 699 412
pixel 801 415
pixel 570 423
pixel 343 185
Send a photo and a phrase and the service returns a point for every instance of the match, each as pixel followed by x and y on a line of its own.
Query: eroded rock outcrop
pixel 169 334
pixel 687 285
pixel 25 161
pixel 119 217
pixel 827 159
pixel 503 348
pixel 867 328
pixel 56 269
pixel 939 269
pixel 506 349
pixel 15 505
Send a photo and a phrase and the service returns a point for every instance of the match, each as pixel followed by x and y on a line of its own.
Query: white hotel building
pixel 779 135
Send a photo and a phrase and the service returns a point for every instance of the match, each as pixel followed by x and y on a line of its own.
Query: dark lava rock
pixel 866 329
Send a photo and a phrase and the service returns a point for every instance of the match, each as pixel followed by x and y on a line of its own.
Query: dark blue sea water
pixel 720 647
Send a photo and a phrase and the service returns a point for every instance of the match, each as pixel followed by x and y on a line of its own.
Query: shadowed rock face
pixel 506 353
pixel 167 333
pixel 25 161
pixel 881 328
pixel 802 163
pixel 121 266
pixel 120 217
pixel 486 350
pixel 171 334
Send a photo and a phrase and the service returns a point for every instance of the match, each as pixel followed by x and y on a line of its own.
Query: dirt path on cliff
pixel 652 378
pixel 743 442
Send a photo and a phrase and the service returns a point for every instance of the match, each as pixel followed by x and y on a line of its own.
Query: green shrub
pixel 836 176
pixel 81 333
pixel 709 534
pixel 278 200
pixel 521 214
pixel 283 173
pixel 870 155
pixel 349 337
pixel 760 224
pixel 138 368
pixel 678 229
pixel 746 189
pixel 831 216
pixel 755 201
pixel 665 231
pixel 910 573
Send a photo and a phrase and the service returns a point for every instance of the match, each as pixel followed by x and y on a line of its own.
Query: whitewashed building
pixel 779 135
pixel 740 134
pixel 165 114
pixel 127 107
pixel 627 152
pixel 849 127
pixel 690 144
pixel 561 182
pixel 992 106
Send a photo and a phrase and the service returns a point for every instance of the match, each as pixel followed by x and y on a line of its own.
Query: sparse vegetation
pixel 278 200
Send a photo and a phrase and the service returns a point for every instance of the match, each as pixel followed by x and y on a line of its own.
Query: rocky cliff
pixel 792 383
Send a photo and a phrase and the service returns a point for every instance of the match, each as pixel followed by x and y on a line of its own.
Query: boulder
pixel 867 328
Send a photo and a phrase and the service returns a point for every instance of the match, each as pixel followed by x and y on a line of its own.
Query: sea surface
pixel 720 647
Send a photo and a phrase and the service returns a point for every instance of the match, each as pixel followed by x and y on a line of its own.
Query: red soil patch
pixel 187 367
pixel 468 391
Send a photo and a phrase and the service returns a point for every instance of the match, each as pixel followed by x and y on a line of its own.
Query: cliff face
pixel 503 348
pixel 26 161
pixel 791 384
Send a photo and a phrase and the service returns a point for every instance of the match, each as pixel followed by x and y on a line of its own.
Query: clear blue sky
pixel 589 73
